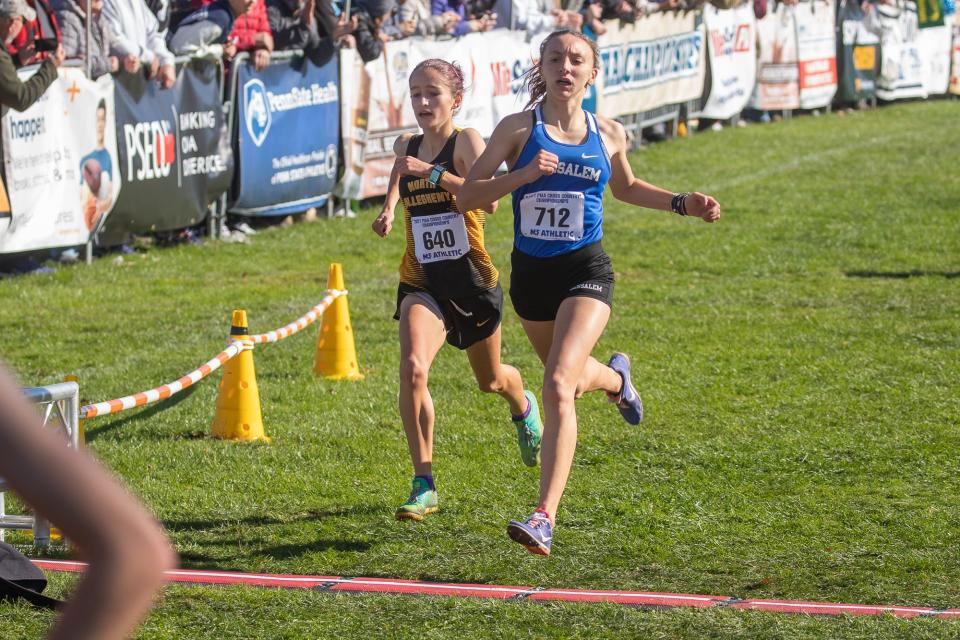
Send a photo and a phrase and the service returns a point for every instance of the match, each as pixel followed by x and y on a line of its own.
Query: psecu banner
pixel 288 128
pixel 172 161
pixel 60 157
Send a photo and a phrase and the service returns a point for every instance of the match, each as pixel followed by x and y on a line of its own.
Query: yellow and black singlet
pixel 445 253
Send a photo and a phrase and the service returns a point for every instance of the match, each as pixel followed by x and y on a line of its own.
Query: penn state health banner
pixel 60 157
pixel 288 129
pixel 731 43
pixel 175 155
pixel 658 60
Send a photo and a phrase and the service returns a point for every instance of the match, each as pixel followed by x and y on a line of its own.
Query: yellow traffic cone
pixel 336 357
pixel 238 402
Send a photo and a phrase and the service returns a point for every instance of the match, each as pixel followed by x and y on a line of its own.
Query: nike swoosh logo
pixel 586 157
pixel 480 323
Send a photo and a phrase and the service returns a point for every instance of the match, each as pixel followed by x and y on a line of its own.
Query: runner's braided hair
pixel 451 73
pixel 533 80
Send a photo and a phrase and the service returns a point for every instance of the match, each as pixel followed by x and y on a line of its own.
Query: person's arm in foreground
pixel 125 546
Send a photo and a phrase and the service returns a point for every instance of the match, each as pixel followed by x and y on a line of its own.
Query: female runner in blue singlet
pixel 561 158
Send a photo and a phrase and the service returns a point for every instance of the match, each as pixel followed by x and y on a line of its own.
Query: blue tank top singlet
pixel 562 212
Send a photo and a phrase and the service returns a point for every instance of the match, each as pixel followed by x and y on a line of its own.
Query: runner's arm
pixel 628 188
pixel 481 186
pixel 469 147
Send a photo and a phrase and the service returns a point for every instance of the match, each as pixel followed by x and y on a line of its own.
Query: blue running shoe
pixel 535 533
pixel 628 401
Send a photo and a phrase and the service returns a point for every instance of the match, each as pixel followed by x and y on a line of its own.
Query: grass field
pixel 799 363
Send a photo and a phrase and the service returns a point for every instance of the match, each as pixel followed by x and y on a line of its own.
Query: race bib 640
pixel 442 236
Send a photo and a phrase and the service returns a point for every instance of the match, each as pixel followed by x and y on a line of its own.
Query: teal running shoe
pixel 529 431
pixel 422 501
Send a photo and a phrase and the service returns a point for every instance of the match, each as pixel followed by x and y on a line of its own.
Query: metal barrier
pixel 60 405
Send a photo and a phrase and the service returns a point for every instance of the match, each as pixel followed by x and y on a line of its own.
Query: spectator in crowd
pixel 124 545
pixel 209 25
pixel 457 21
pixel 412 18
pixel 72 17
pixel 38 37
pixel 370 15
pixel 14 93
pixel 251 33
pixel 161 11
pixel 540 16
pixel 295 25
pixel 138 41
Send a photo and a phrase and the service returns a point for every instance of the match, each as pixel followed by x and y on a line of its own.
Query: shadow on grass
pixel 313 515
pixel 902 275
pixel 99 430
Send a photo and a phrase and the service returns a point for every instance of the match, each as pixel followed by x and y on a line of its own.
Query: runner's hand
pixel 702 206
pixel 383 224
pixel 543 164
pixel 410 166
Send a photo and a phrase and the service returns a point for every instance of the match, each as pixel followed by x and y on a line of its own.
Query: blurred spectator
pixel 39 36
pixel 539 16
pixel 412 18
pixel 370 15
pixel 161 11
pixel 14 93
pixel 207 26
pixel 251 33
pixel 295 25
pixel 623 10
pixel 455 19
pixel 72 17
pixel 137 40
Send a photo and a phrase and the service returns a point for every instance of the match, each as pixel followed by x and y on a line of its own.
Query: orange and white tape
pixel 236 346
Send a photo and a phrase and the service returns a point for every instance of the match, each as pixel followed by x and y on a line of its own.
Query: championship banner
pixel 658 60
pixel 778 71
pixel 901 68
pixel 816 52
pixel 936 44
pixel 858 55
pixel 376 98
pixel 60 157
pixel 731 43
pixel 175 157
pixel 287 123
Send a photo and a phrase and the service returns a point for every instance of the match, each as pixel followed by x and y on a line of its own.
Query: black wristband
pixel 678 204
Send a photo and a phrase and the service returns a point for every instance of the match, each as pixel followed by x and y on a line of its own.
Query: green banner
pixel 930 13
pixel 858 55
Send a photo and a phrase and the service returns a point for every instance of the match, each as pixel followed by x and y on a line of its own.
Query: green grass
pixel 799 363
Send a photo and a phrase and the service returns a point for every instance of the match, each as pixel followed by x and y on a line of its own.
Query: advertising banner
pixel 175 156
pixel 288 129
pixel 936 44
pixel 816 52
pixel 657 61
pixel 731 43
pixel 955 59
pixel 930 13
pixel 858 55
pixel 61 162
pixel 778 72
pixel 901 68
pixel 376 99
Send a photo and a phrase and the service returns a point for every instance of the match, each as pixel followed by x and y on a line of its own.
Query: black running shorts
pixel 539 285
pixel 468 320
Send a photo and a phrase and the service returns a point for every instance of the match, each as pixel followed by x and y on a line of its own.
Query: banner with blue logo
pixel 288 127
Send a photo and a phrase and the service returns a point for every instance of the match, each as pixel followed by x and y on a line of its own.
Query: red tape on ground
pixel 414 587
